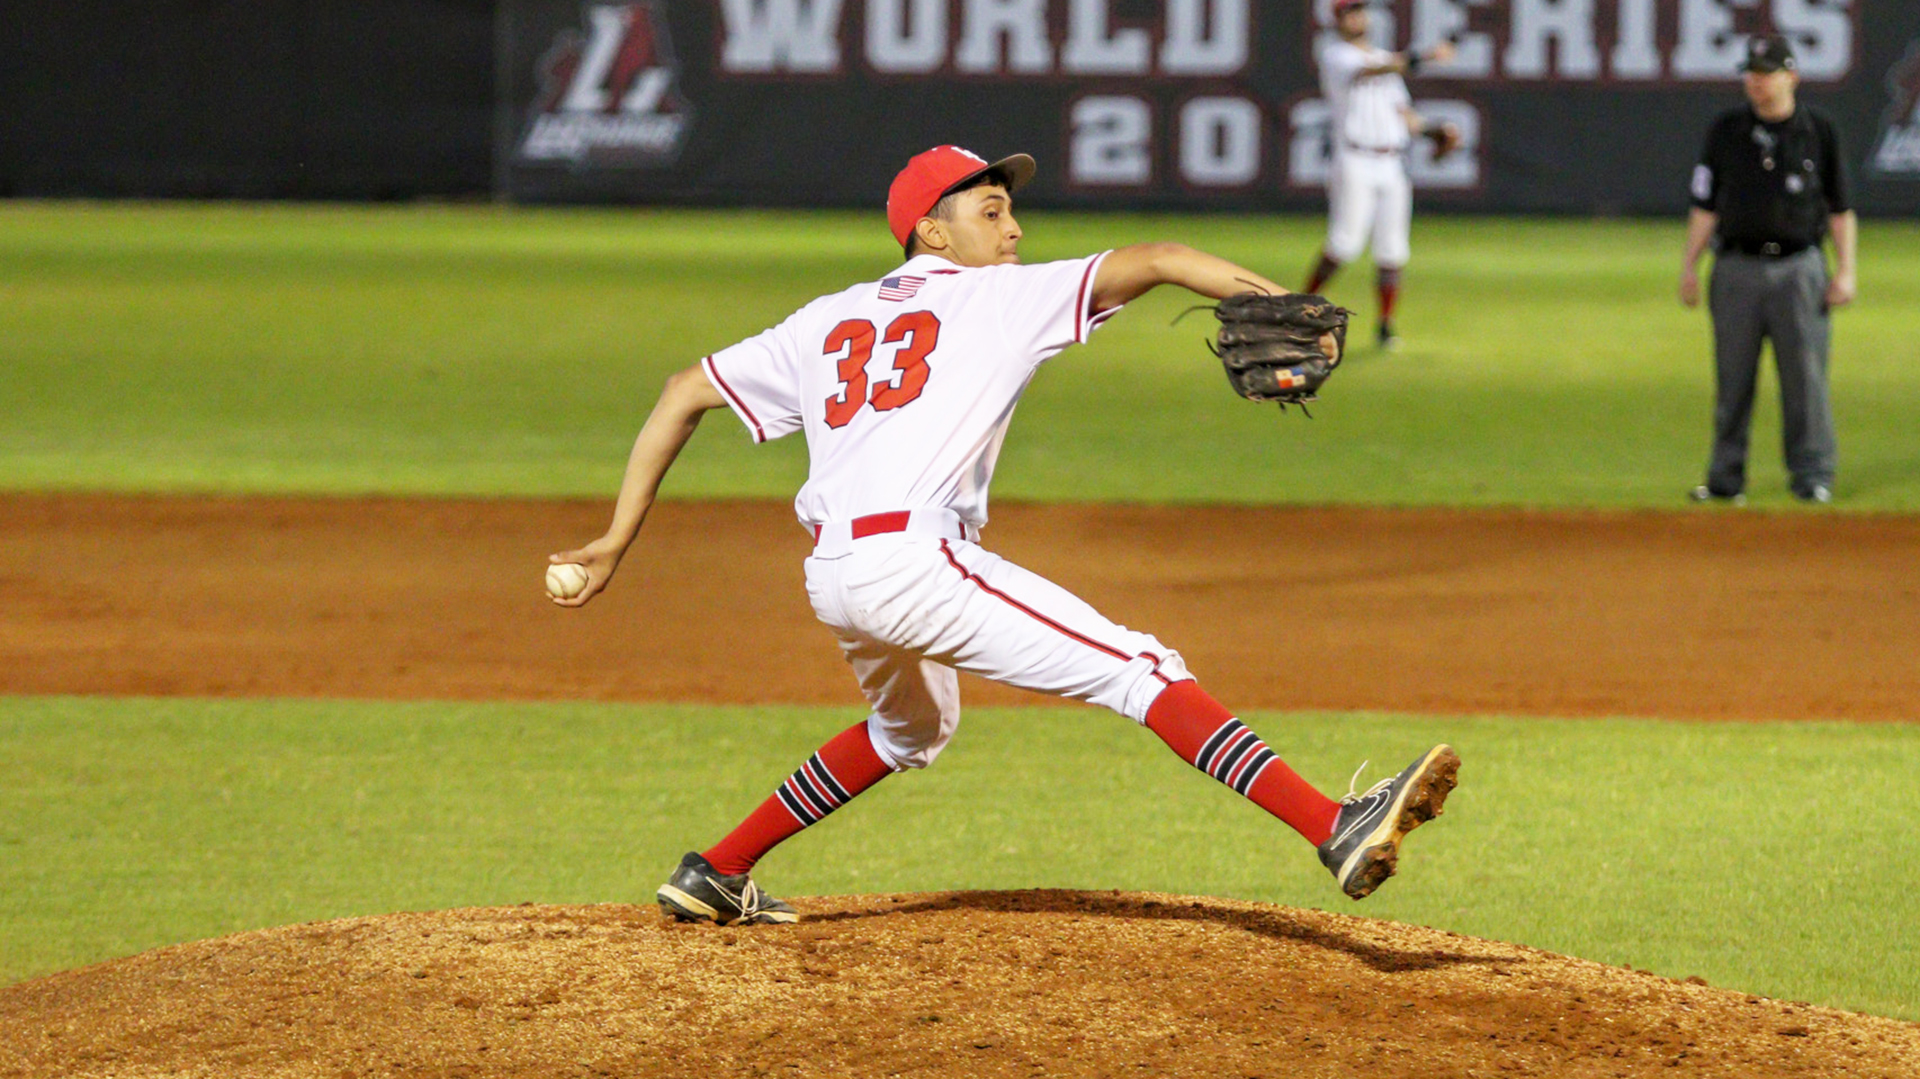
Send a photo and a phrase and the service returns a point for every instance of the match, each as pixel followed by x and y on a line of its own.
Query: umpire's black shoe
pixel 699 893
pixel 1364 849
pixel 1703 493
pixel 1813 492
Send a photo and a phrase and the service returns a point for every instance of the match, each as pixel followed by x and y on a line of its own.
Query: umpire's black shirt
pixel 1773 184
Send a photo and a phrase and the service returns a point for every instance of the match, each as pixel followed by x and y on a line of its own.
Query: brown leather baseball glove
pixel 1445 138
pixel 1275 348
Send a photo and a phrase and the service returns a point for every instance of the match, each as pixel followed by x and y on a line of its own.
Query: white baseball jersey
pixel 904 387
pixel 1366 111
pixel 1369 197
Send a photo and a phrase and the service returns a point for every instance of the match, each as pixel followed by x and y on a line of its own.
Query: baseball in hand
pixel 566 580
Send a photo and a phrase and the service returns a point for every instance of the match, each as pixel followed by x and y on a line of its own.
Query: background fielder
pixel 1371 121
pixel 904 387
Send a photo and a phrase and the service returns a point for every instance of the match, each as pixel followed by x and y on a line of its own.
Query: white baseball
pixel 566 580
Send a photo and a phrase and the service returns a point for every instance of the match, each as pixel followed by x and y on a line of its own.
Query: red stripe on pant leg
pixel 1029 611
pixel 851 759
pixel 1157 661
pixel 1184 717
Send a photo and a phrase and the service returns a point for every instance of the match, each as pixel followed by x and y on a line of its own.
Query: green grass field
pixel 1738 853
pixel 483 351
pixel 492 352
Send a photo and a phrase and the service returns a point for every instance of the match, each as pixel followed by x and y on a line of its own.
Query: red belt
pixel 875 523
pixel 830 539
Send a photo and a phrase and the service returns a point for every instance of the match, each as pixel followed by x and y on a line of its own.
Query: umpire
pixel 1770 186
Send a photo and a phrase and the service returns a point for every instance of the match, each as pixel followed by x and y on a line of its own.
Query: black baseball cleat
pixel 1389 341
pixel 699 893
pixel 1364 849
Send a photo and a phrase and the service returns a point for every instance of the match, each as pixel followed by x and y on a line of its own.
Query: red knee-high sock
pixel 1323 272
pixel 1388 285
pixel 1207 736
pixel 841 769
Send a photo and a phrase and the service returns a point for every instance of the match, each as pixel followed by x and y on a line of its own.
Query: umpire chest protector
pixel 1773 185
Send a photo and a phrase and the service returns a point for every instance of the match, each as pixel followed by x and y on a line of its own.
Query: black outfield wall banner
pixel 1567 105
pixel 317 99
pixel 1574 106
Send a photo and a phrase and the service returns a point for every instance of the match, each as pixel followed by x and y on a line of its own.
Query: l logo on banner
pixel 1898 151
pixel 609 98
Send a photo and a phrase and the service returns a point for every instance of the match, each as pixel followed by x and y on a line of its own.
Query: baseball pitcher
pixel 904 387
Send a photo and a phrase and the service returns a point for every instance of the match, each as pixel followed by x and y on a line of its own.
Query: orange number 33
pixel 916 332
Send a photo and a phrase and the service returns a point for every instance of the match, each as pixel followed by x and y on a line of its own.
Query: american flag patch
pixel 900 288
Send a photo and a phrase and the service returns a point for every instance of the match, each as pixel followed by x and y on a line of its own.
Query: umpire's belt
pixel 835 538
pixel 1766 249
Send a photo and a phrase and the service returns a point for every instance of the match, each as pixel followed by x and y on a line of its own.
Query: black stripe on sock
pixel 800 782
pixel 1258 762
pixel 826 777
pixel 1225 768
pixel 1214 743
pixel 794 807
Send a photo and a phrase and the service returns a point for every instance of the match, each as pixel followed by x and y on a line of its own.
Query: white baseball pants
pixel 910 611
pixel 1369 196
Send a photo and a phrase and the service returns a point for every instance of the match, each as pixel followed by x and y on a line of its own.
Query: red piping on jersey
pixel 713 372
pixel 1048 622
pixel 1084 319
pixel 1080 305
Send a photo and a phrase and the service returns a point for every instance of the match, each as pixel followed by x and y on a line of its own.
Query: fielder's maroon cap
pixel 1342 6
pixel 930 176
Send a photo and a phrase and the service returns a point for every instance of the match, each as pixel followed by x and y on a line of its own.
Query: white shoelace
pixel 1355 796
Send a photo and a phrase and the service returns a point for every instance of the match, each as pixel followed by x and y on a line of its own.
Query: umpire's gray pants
pixel 1782 299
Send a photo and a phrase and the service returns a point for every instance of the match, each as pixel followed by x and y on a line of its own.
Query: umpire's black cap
pixel 1768 54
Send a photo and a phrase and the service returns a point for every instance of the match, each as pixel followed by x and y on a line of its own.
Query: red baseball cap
pixel 1341 6
pixel 929 176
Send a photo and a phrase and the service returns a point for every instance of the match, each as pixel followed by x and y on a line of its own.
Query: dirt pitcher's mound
pixel 961 984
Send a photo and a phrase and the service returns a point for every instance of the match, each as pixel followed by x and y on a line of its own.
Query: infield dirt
pixel 1704 615
pixel 1710 615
